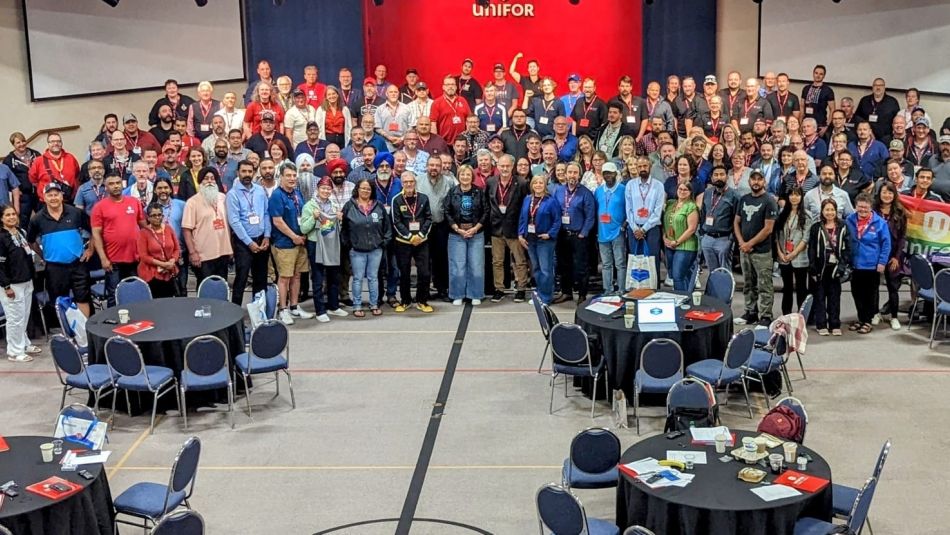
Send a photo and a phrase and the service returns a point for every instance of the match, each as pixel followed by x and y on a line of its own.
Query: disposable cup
pixel 46 449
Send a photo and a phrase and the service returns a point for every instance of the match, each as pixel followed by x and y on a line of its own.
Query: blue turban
pixel 384 157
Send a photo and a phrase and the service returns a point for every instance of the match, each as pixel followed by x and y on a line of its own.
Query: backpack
pixel 680 418
pixel 783 422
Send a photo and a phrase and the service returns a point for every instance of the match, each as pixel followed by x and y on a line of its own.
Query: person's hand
pixel 639 234
pixel 265 244
pixel 86 255
pixel 519 55
pixel 523 242
pixel 544 236
pixel 893 265
pixel 254 247
pixel 195 259
pixel 782 259
pixel 670 244
pixel 298 240
pixel 10 293
pixel 415 240
pixel 880 268
pixel 106 265
pixel 528 94
pixel 316 211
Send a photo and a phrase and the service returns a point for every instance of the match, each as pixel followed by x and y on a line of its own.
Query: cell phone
pixel 85 475
pixel 110 322
pixel 654 478
pixel 11 492
pixel 674 434
pixel 59 487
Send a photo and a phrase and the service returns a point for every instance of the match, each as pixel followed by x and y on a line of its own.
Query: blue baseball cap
pixel 574 77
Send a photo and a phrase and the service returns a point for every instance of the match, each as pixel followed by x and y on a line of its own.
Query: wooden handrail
pixel 42 131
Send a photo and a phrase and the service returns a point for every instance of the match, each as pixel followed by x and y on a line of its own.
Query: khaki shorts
pixel 291 261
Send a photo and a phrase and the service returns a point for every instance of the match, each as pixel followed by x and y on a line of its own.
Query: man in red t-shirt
pixel 115 229
pixel 55 165
pixel 449 111
pixel 312 89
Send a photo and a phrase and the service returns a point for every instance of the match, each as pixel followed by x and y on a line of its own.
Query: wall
pixel 737 49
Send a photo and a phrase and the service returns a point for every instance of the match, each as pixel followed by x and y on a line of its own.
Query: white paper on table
pixel 770 493
pixel 708 434
pixel 602 308
pixel 679 299
pixel 682 481
pixel 71 459
pixel 648 465
pixel 699 457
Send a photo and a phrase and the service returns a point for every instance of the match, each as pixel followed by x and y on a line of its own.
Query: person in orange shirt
pixel 55 165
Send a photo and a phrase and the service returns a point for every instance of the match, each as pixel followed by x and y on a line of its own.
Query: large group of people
pixel 319 187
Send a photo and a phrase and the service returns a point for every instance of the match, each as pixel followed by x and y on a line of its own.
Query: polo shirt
pixel 119 222
pixel 449 116
pixel 61 240
pixel 589 117
pixel 491 119
pixel 783 107
pixel 544 114
pixel 286 206
pixel 89 194
pixel 254 111
pixel 746 113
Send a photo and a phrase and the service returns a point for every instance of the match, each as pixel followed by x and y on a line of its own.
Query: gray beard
pixel 210 194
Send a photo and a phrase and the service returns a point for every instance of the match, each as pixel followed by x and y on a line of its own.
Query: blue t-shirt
pixel 287 206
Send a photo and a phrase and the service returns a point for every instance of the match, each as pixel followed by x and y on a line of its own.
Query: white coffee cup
pixel 721 443
pixel 123 315
pixel 697 298
pixel 46 449
pixel 791 452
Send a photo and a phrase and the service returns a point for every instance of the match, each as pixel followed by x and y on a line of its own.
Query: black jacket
pixel 453 207
pixel 364 233
pixel 817 262
pixel 505 225
pixel 402 216
pixel 16 264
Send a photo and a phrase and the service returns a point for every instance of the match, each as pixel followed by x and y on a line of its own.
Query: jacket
pixel 402 217
pixel 547 218
pixel 366 232
pixel 874 247
pixel 16 262
pixel 817 241
pixel 505 224
pixel 453 207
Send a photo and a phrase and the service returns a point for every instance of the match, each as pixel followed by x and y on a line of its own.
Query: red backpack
pixel 783 422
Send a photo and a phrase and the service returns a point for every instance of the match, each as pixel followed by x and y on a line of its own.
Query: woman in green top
pixel 680 220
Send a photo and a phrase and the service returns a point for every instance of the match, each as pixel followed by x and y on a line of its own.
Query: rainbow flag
pixel 928 226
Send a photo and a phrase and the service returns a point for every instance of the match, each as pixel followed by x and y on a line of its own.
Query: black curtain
pixel 679 37
pixel 325 33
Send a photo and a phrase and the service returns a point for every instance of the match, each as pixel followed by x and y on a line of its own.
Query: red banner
pixel 596 38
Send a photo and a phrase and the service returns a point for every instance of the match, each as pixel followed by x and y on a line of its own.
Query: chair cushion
pixel 147 500
pixel 812 526
pixel 943 308
pixel 842 499
pixel 99 376
pixel 259 365
pixel 192 381
pixel 601 527
pixel 98 289
pixel 650 385
pixel 158 376
pixel 760 361
pixel 579 479
pixel 708 370
pixel 926 294
pixel 583 370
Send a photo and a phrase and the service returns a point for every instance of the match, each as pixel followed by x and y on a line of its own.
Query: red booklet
pixel 134 328
pixel 55 488
pixel 703 315
pixel 799 481
pixel 3 444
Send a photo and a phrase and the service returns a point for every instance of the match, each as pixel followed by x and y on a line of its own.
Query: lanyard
pixel 568 199
pixel 250 200
pixel 58 164
pixel 867 147
pixel 650 109
pixel 588 107
pixel 863 227
pixel 746 106
pixel 502 192
pixel 716 201
pixel 161 243
pixel 346 96
pixel 608 193
pixel 412 206
pixel 533 208
pixel 385 192
pixel 732 100
pixel 782 102
pixel 490 111
pixel 293 197
pixel 644 194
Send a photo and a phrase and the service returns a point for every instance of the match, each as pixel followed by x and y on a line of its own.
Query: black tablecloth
pixel 164 345
pixel 622 346
pixel 87 512
pixel 716 502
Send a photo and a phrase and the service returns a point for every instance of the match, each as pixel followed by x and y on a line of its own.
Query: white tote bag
pixel 641 269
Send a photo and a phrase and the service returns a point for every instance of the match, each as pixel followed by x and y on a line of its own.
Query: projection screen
pixel 82 47
pixel 904 42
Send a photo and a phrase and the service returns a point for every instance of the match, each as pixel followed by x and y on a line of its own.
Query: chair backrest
pixel 5 531
pixel 185 467
pixel 206 355
pixel 60 307
pixel 270 339
pixel 805 309
pixel 739 349
pixel 270 301
pixel 922 272
pixel 881 459
pixel 132 290
pixel 942 285
pixel 569 344
pixel 798 407
pixel 690 393
pixel 721 284
pixel 635 530
pixel 595 450
pixel 662 358
pixel 214 287
pixel 182 522
pixel 560 511
pixel 549 316
pixel 75 410
pixel 859 511
pixel 125 358
pixel 539 312
pixel 66 356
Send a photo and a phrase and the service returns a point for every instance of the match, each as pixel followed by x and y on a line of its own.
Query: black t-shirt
pixel 469 90
pixel 753 212
pixel 815 102
pixel 527 84
pixel 783 106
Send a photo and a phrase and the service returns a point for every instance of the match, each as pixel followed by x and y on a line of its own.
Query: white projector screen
pixel 904 42
pixel 82 47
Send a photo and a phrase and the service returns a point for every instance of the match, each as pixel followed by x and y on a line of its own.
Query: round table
pixel 175 326
pixel 87 512
pixel 622 346
pixel 716 502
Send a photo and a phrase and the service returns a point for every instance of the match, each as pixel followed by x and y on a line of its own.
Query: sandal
pixel 865 328
pixel 377 312
pixel 392 302
pixel 359 314
pixel 855 326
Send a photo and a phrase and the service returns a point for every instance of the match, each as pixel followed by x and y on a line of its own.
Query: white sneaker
pixel 876 320
pixel 668 282
pixel 285 317
pixel 338 312
pixel 476 302
pixel 323 318
pixel 457 302
pixel 33 350
pixel 301 313
pixel 895 324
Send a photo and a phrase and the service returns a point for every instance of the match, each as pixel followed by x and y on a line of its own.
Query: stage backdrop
pixel 601 39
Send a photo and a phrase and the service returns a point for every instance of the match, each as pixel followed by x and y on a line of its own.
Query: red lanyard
pixel 502 192
pixel 863 226
pixel 490 111
pixel 588 107
pixel 781 102
pixel 533 208
pixel 413 206
pixel 650 108
pixel 368 209
pixel 160 243
pixel 732 100
pixel 715 201
pixel 746 106
pixel 346 96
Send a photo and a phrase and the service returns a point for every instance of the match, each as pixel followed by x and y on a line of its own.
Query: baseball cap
pixel 368 80
pixel 169 147
pixel 129 117
pixel 923 121
pixel 267 115
pixel 297 92
pixel 51 186
pixel 412 71
pixel 313 124
pixel 468 60
pixel 896 144
pixel 422 85
pixel 574 77
pixel 609 167
pixel 944 139
pixel 710 79
pixel 494 137
pixel 499 67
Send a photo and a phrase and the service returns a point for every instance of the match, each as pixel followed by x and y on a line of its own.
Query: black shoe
pixel 561 298
pixel 765 321
pixel 498 296
pixel 346 302
pixel 747 319
pixel 581 299
pixel 519 296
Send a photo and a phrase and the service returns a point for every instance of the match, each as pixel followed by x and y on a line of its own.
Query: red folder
pixel 628 471
pixel 134 328
pixel 43 488
pixel 799 481
pixel 3 444
pixel 703 315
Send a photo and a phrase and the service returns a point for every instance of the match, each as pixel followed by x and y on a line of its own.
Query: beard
pixel 305 175
pixel 221 154
pixel 209 193
pixel 384 176
pixel 337 179
pixel 644 174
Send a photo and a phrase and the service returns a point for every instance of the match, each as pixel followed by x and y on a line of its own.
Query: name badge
pixel 543 120
pixel 565 220
pixel 219 224
pixel 414 226
pixel 254 219
pixel 389 209
pixel 456 120
pixel 605 218
pixel 809 110
pixel 631 119
pixel 393 127
pixel 490 127
pixel 465 87
pixel 872 118
pixel 744 121
pixel 205 128
pixel 267 154
pixel 832 259
pixel 137 150
pixel 710 220
pixel 531 229
pixel 583 123
pixel 643 212
pixel 502 208
pixel 789 246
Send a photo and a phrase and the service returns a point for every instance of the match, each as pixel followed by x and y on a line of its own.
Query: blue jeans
pixel 681 269
pixel 466 266
pixel 653 242
pixel 613 257
pixel 541 253
pixel 717 252
pixel 365 265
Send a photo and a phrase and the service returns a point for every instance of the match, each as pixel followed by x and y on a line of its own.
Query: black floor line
pixel 432 431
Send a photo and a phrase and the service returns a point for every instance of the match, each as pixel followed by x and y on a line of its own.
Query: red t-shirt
pixel 252 115
pixel 449 117
pixel 314 93
pixel 119 222
pixel 64 169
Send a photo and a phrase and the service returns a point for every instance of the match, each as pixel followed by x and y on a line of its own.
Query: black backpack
pixel 680 419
